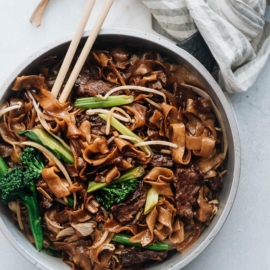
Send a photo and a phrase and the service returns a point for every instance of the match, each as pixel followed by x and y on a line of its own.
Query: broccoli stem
pixel 44 138
pixel 34 219
pixel 17 187
pixel 131 174
pixel 94 102
pixel 3 167
pixel 124 239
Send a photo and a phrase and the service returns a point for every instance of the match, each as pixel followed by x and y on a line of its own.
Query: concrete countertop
pixel 244 240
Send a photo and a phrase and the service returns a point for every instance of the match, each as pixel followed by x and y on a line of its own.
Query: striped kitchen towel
pixel 234 30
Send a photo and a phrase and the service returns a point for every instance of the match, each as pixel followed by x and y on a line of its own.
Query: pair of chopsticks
pixel 85 51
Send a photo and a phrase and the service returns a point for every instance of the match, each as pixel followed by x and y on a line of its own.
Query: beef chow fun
pixel 124 174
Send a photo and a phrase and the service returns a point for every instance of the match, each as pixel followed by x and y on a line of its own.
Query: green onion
pixel 94 102
pixel 124 239
pixel 151 200
pixel 70 202
pixel 131 174
pixel 53 253
pixel 124 130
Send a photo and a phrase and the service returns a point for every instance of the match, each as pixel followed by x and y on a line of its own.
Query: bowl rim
pixel 220 94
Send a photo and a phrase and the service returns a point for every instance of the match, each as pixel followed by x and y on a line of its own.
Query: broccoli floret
pixel 23 176
pixel 32 159
pixel 115 193
pixel 19 183
pixel 11 182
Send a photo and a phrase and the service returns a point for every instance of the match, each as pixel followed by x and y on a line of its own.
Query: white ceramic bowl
pixel 232 163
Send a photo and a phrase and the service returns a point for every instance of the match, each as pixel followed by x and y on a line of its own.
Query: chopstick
pixel 72 47
pixel 85 51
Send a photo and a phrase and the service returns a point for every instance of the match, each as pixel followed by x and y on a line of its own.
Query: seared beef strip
pixel 44 202
pixel 215 183
pixel 153 134
pixel 136 256
pixel 187 183
pixel 126 211
pixel 85 87
pixel 161 160
pixel 98 126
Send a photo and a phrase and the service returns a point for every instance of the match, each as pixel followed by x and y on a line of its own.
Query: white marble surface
pixel 244 240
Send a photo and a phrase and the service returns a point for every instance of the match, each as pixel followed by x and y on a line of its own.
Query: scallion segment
pixel 124 239
pixel 94 102
pixel 151 200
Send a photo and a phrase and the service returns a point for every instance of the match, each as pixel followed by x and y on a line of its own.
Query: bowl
pixel 232 162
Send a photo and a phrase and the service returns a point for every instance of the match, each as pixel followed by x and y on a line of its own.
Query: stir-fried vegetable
pixel 18 183
pixel 131 174
pixel 115 193
pixel 44 138
pixel 10 108
pixel 94 102
pixel 3 167
pixel 124 239
pixel 53 252
pixel 151 200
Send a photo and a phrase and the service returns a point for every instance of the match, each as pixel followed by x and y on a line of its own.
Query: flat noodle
pixel 177 134
pixel 146 237
pixel 204 213
pixel 170 117
pixel 54 182
pixel 139 113
pixel 159 222
pixel 28 82
pixel 10 138
pixel 190 238
pixel 111 174
pixel 115 227
pixel 159 178
pixel 178 233
pixel 217 114
pixel 127 149
pixel 85 128
pixel 102 243
pixel 99 146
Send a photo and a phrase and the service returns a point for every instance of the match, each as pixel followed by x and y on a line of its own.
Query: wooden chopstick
pixel 72 47
pixel 85 51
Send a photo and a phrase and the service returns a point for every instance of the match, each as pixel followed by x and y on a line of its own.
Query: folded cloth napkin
pixel 235 31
